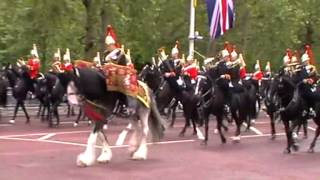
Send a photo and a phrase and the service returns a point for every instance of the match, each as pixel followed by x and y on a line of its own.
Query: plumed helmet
pixel 34 51
pixel 110 40
pixel 110 36
pixel 189 58
pixel 175 49
pixel 305 57
pixel 234 55
pixel 257 66
pixel 268 67
pixel 224 53
pixel 66 56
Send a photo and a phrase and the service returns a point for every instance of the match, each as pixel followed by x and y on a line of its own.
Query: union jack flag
pixel 221 16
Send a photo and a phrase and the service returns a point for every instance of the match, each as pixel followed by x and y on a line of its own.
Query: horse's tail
pixel 156 123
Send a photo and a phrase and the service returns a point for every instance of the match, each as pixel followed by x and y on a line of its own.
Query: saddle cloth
pixel 124 79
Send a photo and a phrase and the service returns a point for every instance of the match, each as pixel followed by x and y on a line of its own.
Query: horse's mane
pixel 83 63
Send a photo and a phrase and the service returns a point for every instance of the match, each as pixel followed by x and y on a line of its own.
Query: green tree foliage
pixel 263 29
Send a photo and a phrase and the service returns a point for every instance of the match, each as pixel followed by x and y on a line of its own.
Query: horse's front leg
pixel 106 153
pixel 133 142
pixel 25 112
pixel 142 151
pixel 12 121
pixel 288 134
pixel 88 157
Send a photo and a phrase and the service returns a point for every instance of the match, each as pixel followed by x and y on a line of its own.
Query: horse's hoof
pixel 311 150
pixel 28 122
pixel 253 121
pixel 223 141
pixel 194 133
pixel 273 137
pixel 295 147
pixel 286 151
pixel 204 143
pixel 75 124
pixel 236 139
pixel 294 135
pixel 181 134
pixel 12 121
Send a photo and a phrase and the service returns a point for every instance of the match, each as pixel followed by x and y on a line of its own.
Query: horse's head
pixel 21 71
pixel 202 85
pixel 149 71
pixel 41 87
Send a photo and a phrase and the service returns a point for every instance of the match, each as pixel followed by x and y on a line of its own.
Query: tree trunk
pixel 89 36
pixel 104 23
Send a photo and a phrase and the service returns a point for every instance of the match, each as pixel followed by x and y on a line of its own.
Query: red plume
pixel 177 44
pixel 289 53
pixel 111 32
pixel 310 54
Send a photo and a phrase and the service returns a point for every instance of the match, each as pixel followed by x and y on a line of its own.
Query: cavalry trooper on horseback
pixel 267 71
pixel 191 69
pixel 233 63
pixel 56 65
pixel 67 65
pixel 34 63
pixel 290 62
pixel 114 54
pixel 34 66
pixel 168 69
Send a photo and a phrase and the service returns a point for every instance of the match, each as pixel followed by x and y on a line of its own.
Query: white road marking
pixel 84 145
pixel 122 136
pixel 199 134
pixel 5 125
pixel 311 128
pixel 42 134
pixel 255 130
pixel 47 136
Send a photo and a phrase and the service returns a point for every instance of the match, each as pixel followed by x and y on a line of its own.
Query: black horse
pixel 271 101
pixel 3 90
pixel 21 84
pixel 214 93
pixel 90 87
pixel 292 109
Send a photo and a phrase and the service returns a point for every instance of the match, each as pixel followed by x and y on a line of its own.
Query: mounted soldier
pixel 267 70
pixel 257 75
pixel 191 69
pixel 34 63
pixel 169 71
pixel 67 65
pixel 56 65
pixel 115 55
pixel 308 77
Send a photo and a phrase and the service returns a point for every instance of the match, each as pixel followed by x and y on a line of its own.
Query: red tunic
pixel 191 71
pixel 68 67
pixel 34 66
pixel 243 72
pixel 258 75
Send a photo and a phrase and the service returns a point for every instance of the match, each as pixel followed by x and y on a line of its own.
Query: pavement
pixel 36 152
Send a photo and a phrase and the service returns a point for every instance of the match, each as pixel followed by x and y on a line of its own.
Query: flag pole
pixel 192 27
